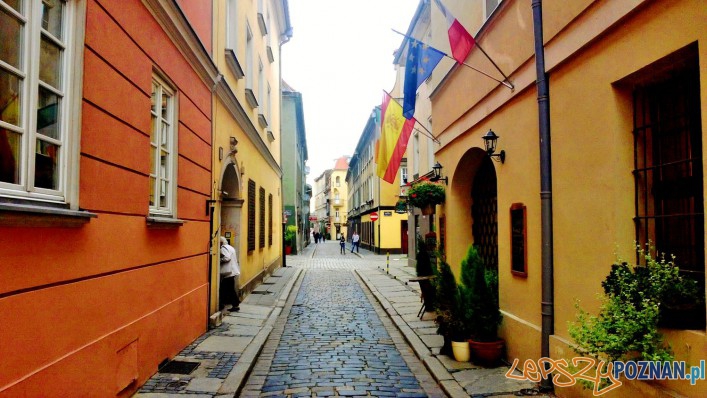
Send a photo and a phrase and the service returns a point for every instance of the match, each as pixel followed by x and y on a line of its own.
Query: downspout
pixel 547 304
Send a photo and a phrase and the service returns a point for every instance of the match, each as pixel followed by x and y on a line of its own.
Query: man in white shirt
pixel 230 271
pixel 354 242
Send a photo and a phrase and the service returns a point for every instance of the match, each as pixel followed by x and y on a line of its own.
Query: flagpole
pixel 496 66
pixel 506 82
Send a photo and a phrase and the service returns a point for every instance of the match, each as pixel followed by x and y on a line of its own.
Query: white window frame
pixel 232 25
pixel 68 110
pixel 261 84
pixel 170 170
pixel 248 57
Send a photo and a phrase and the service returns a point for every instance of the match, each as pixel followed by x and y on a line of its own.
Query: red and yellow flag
pixel 395 133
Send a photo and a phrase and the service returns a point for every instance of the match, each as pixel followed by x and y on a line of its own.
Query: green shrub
pixel 290 235
pixel 626 327
pixel 479 297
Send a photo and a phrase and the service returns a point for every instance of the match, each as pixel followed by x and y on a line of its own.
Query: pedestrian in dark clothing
pixel 342 243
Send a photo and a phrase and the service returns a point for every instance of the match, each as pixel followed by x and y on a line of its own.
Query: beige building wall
pixel 594 51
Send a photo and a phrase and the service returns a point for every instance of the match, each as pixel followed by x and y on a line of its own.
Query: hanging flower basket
pixel 426 195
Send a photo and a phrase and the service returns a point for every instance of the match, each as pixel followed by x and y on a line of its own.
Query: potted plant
pixel 290 238
pixel 426 195
pixel 450 322
pixel 636 298
pixel 479 300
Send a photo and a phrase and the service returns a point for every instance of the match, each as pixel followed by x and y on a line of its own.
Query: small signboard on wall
pixel 519 255
pixel 387 213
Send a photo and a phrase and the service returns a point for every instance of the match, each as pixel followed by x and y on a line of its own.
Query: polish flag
pixel 460 40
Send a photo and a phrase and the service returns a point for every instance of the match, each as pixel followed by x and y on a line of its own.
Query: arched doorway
pixel 484 213
pixel 231 205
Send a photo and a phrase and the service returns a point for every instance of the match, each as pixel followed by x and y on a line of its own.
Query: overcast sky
pixel 340 58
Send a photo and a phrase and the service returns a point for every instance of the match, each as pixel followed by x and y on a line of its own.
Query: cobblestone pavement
pixel 330 324
pixel 334 342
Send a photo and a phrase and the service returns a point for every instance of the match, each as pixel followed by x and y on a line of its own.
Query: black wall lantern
pixel 490 143
pixel 437 174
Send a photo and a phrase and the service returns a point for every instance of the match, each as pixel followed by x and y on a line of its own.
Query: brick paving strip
pixel 331 340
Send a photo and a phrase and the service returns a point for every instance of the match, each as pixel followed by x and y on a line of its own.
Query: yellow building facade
pixel 338 195
pixel 371 201
pixel 611 66
pixel 246 205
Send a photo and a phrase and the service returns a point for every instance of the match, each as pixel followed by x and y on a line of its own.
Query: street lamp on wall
pixel 437 174
pixel 490 144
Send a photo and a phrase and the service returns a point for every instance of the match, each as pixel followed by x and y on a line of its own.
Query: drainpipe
pixel 547 305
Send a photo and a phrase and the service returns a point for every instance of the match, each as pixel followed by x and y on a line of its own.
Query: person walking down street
pixel 230 273
pixel 342 243
pixel 316 237
pixel 355 242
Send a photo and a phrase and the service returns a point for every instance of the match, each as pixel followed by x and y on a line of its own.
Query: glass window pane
pixel 154 96
pixel 48 114
pixel 152 191
pixel 10 100
pixel 164 161
pixel 166 103
pixel 11 39
pixel 153 170
pixel 45 165
pixel 10 150
pixel 165 134
pixel 163 193
pixel 153 139
pixel 52 14
pixel 50 63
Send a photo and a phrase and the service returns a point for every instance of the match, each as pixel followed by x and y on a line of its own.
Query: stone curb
pixel 450 386
pixel 235 380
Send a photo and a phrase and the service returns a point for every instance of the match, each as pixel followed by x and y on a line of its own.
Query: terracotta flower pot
pixel 487 353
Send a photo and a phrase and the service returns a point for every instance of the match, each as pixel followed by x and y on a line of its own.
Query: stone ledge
pixel 37 215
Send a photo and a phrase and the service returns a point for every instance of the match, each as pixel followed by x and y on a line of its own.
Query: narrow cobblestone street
pixel 334 342
pixel 330 324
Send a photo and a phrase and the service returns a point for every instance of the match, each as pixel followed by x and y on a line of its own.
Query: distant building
pixel 330 194
pixel 338 198
pixel 294 169
pixel 320 193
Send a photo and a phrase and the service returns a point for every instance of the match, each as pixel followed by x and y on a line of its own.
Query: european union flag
pixel 421 61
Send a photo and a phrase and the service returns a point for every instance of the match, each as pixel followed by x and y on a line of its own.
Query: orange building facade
pixel 105 169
